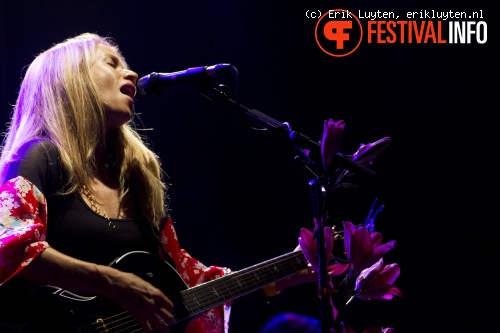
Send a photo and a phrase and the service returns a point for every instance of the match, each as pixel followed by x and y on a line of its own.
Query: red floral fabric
pixel 23 222
pixel 194 272
pixel 23 226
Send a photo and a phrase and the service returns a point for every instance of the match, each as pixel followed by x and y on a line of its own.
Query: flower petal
pixel 362 248
pixel 376 282
pixel 366 153
pixel 383 274
pixel 330 141
pixel 337 269
pixel 308 246
pixel 380 292
pixel 349 230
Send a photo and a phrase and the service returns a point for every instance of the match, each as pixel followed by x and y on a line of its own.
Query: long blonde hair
pixel 58 101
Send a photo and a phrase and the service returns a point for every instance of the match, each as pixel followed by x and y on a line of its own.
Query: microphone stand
pixel 316 187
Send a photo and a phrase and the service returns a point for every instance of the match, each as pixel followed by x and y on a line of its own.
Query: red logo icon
pixel 338 32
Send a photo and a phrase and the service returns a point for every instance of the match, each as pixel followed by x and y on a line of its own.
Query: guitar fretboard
pixel 205 296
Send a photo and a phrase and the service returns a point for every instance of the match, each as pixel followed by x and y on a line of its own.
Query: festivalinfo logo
pixel 339 32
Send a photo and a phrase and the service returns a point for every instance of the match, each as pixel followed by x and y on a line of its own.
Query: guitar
pixel 78 313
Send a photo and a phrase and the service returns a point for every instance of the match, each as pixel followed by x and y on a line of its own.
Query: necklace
pixel 94 205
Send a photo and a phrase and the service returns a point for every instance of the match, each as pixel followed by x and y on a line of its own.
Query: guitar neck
pixel 205 296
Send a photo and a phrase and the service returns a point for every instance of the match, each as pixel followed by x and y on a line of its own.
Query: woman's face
pixel 115 84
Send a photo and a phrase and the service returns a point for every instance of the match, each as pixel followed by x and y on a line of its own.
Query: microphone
pixel 155 83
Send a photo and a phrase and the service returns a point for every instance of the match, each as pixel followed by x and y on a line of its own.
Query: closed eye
pixel 113 61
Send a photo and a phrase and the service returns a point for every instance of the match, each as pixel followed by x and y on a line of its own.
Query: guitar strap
pixel 166 256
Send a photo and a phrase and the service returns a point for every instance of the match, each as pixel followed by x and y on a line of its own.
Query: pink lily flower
pixel 330 142
pixel 366 153
pixel 363 249
pixel 309 247
pixel 364 156
pixel 377 281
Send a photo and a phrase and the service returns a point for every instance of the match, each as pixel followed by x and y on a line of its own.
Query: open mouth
pixel 128 90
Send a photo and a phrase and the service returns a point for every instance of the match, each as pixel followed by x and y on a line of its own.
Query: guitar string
pixel 245 276
pixel 197 303
pixel 105 325
pixel 242 276
pixel 127 320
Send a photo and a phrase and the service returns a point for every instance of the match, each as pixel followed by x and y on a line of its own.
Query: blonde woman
pixel 80 189
pixel 84 212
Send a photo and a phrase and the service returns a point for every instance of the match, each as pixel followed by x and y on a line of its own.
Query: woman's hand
pixel 146 303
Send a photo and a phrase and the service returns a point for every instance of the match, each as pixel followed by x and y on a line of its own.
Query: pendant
pixel 111 224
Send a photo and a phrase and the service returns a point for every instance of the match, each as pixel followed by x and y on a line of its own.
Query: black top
pixel 73 228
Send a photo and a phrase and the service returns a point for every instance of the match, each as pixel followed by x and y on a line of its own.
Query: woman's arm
pixel 24 252
pixel 138 297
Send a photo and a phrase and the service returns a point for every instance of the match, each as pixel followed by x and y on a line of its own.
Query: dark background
pixel 238 197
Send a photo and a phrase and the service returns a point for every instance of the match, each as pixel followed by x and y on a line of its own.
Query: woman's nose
pixel 131 75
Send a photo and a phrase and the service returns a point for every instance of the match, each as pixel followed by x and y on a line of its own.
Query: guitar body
pixel 66 312
pixel 60 311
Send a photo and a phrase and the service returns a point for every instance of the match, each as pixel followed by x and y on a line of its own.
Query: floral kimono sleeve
pixel 23 225
pixel 194 272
